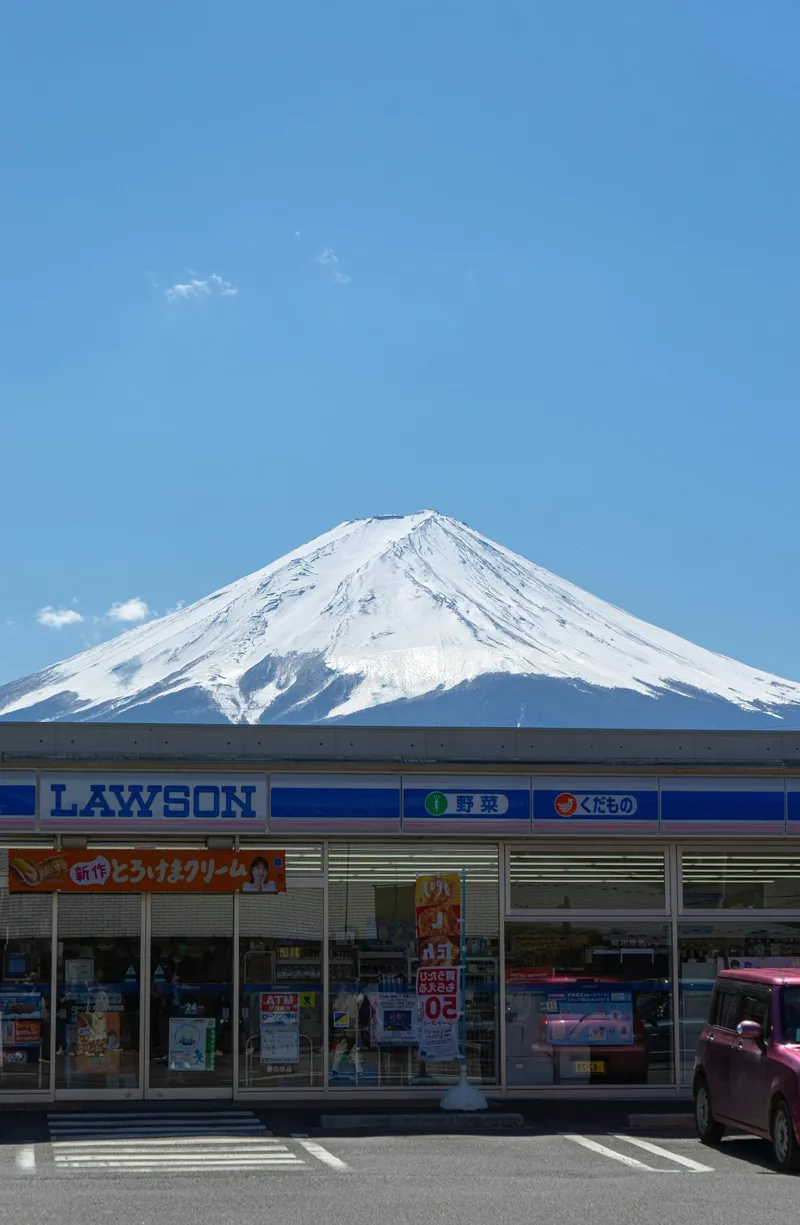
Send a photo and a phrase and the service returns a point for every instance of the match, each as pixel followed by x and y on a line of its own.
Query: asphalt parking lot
pixel 224 1166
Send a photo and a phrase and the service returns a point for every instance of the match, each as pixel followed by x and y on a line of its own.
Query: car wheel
pixel 784 1143
pixel 708 1129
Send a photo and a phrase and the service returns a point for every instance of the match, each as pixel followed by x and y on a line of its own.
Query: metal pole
pixel 464 967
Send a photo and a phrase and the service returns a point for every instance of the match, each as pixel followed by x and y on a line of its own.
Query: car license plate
pixel 588 1066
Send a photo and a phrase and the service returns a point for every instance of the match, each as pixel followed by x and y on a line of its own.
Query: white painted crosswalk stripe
pixel 156 1142
pixel 25 1158
pixel 634 1163
pixel 322 1154
pixel 658 1151
pixel 594 1147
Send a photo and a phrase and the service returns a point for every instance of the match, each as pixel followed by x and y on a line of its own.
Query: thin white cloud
pixel 57 618
pixel 329 259
pixel 201 289
pixel 131 610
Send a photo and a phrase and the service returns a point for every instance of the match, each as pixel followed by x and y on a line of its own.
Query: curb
pixel 421 1122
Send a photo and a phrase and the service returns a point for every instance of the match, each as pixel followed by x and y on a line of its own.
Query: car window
pixel 754 1006
pixel 726 1015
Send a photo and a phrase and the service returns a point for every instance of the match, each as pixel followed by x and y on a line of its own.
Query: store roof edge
pixel 414 748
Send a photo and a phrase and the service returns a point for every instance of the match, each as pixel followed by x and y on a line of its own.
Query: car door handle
pixel 710 1038
pixel 737 1047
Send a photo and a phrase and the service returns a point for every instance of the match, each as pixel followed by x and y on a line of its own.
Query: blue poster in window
pixel 588 1018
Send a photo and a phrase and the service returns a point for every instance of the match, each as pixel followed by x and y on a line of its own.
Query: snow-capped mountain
pixel 405 619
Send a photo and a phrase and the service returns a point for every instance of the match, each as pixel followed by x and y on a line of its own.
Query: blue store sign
pixel 17 800
pixel 154 801
pixel 330 803
pixel 720 805
pixel 595 805
pixel 477 804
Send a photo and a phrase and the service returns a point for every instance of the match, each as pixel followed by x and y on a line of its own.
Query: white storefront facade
pixel 213 912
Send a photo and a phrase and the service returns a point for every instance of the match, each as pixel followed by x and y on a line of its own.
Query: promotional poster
pixel 438 992
pixel 280 1031
pixel 192 1044
pixel 36 870
pixel 438 918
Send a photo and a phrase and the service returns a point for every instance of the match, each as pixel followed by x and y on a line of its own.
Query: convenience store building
pixel 223 912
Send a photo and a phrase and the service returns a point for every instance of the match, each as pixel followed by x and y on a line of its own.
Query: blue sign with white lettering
pixel 475 803
pixel 615 805
pixel 17 800
pixel 206 802
pixel 702 809
pixel 320 804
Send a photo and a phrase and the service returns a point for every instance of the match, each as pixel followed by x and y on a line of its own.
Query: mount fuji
pixel 413 619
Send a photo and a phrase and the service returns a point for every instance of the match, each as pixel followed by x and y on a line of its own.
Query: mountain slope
pixel 412 618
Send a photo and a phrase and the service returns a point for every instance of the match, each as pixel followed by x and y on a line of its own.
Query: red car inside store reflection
pixel 589 1029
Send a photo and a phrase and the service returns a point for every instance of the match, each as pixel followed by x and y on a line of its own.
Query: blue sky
pixel 533 265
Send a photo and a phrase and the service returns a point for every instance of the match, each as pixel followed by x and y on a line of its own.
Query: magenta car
pixel 747 1067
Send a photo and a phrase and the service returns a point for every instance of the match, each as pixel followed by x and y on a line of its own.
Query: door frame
pixel 213 1092
pixel 284 1092
pixel 143 1091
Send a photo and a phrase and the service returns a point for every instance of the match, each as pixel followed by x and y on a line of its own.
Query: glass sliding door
pixel 190 972
pixel 281 1030
pixel 98 989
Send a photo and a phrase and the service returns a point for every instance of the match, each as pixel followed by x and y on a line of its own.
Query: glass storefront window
pixel 25 989
pixel 191 967
pixel 373 954
pixel 97 1035
pixel 706 948
pixel 740 881
pixel 588 1003
pixel 280 988
pixel 568 880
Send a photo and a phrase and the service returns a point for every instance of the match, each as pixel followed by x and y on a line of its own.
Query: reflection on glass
pixel 98 992
pixel 280 977
pixel 588 1003
pixel 615 880
pixel 741 880
pixel 707 948
pixel 372 960
pixel 25 992
pixel 191 1036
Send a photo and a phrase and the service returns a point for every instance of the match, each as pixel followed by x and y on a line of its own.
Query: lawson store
pixel 229 912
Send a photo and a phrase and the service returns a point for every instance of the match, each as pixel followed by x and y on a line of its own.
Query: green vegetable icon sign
pixel 436 803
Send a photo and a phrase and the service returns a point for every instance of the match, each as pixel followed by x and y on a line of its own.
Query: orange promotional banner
pixel 123 871
pixel 438 911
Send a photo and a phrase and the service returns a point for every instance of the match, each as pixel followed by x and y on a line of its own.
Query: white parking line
pixel 25 1159
pixel 322 1154
pixel 649 1147
pixel 585 1142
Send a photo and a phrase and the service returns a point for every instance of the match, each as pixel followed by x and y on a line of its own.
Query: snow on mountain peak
pixel 383 610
